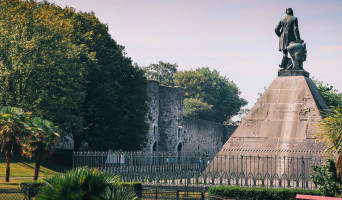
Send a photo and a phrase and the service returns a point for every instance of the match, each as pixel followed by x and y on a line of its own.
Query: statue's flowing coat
pixel 287 31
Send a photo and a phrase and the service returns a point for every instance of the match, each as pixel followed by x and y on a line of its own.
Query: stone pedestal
pixel 293 73
pixel 281 123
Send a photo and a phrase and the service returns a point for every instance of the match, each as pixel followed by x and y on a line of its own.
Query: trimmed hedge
pixel 31 188
pixel 259 193
pixel 134 186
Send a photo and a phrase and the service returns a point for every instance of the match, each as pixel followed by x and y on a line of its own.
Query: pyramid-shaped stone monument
pixel 276 138
pixel 282 121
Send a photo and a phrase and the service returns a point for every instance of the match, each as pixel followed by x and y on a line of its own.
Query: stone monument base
pixel 280 127
pixel 293 73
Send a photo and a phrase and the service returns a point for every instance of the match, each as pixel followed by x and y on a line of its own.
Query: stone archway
pixel 179 147
pixel 154 146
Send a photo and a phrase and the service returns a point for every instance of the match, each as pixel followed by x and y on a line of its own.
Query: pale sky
pixel 235 37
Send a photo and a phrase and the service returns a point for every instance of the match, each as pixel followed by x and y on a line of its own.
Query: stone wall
pixel 171 131
pixel 171 111
pixel 204 137
pixel 152 116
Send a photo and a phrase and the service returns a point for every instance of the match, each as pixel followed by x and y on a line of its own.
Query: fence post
pixel 156 193
pixel 73 159
pixel 303 173
pixel 202 195
pixel 177 195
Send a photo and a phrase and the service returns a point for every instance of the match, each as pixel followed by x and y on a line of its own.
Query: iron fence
pixel 155 194
pixel 171 168
pixel 17 194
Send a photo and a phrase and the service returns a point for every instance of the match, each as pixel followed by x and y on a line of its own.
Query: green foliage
pixel 39 69
pixel 31 189
pixel 12 126
pixel 330 131
pixel 43 136
pixel 162 72
pixel 12 131
pixel 115 105
pixel 211 90
pixel 329 93
pixel 40 142
pixel 119 193
pixel 326 177
pixel 136 187
pixel 259 193
pixel 65 67
pixel 82 184
pixel 197 108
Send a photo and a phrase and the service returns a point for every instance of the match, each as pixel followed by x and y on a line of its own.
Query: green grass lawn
pixel 22 169
pixel 14 182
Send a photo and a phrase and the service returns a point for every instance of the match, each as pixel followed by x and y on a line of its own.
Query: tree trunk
pixel 8 161
pixel 36 170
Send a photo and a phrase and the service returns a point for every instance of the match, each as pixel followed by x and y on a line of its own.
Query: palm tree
pixel 82 183
pixel 330 133
pixel 12 130
pixel 40 143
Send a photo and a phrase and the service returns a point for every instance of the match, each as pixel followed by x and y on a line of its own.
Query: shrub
pixel 83 184
pixel 326 177
pixel 31 189
pixel 119 193
pixel 136 187
pixel 259 193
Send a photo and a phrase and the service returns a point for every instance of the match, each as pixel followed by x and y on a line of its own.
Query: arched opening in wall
pixel 154 147
pixel 179 147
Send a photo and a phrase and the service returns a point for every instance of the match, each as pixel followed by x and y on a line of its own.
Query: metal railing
pixel 156 194
pixel 179 169
pixel 18 194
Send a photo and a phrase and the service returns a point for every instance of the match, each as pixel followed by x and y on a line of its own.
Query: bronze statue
pixel 288 33
pixel 298 55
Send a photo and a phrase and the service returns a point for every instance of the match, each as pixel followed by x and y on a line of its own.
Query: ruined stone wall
pixel 203 137
pixel 152 116
pixel 170 131
pixel 171 111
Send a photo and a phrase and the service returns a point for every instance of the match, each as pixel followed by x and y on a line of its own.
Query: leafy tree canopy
pixel 329 93
pixel 162 72
pixel 217 97
pixel 197 108
pixel 115 105
pixel 65 67
pixel 38 69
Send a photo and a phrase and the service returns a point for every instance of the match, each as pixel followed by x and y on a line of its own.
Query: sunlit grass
pixel 14 182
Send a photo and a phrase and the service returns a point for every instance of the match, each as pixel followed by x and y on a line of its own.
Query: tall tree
pixel 212 89
pixel 162 72
pixel 40 141
pixel 12 131
pixel 65 67
pixel 115 105
pixel 40 71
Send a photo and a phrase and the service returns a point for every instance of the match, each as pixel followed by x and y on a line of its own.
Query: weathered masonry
pixel 170 130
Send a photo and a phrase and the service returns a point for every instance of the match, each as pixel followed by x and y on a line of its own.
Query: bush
pixel 259 193
pixel 326 177
pixel 84 184
pixel 119 193
pixel 31 189
pixel 136 187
